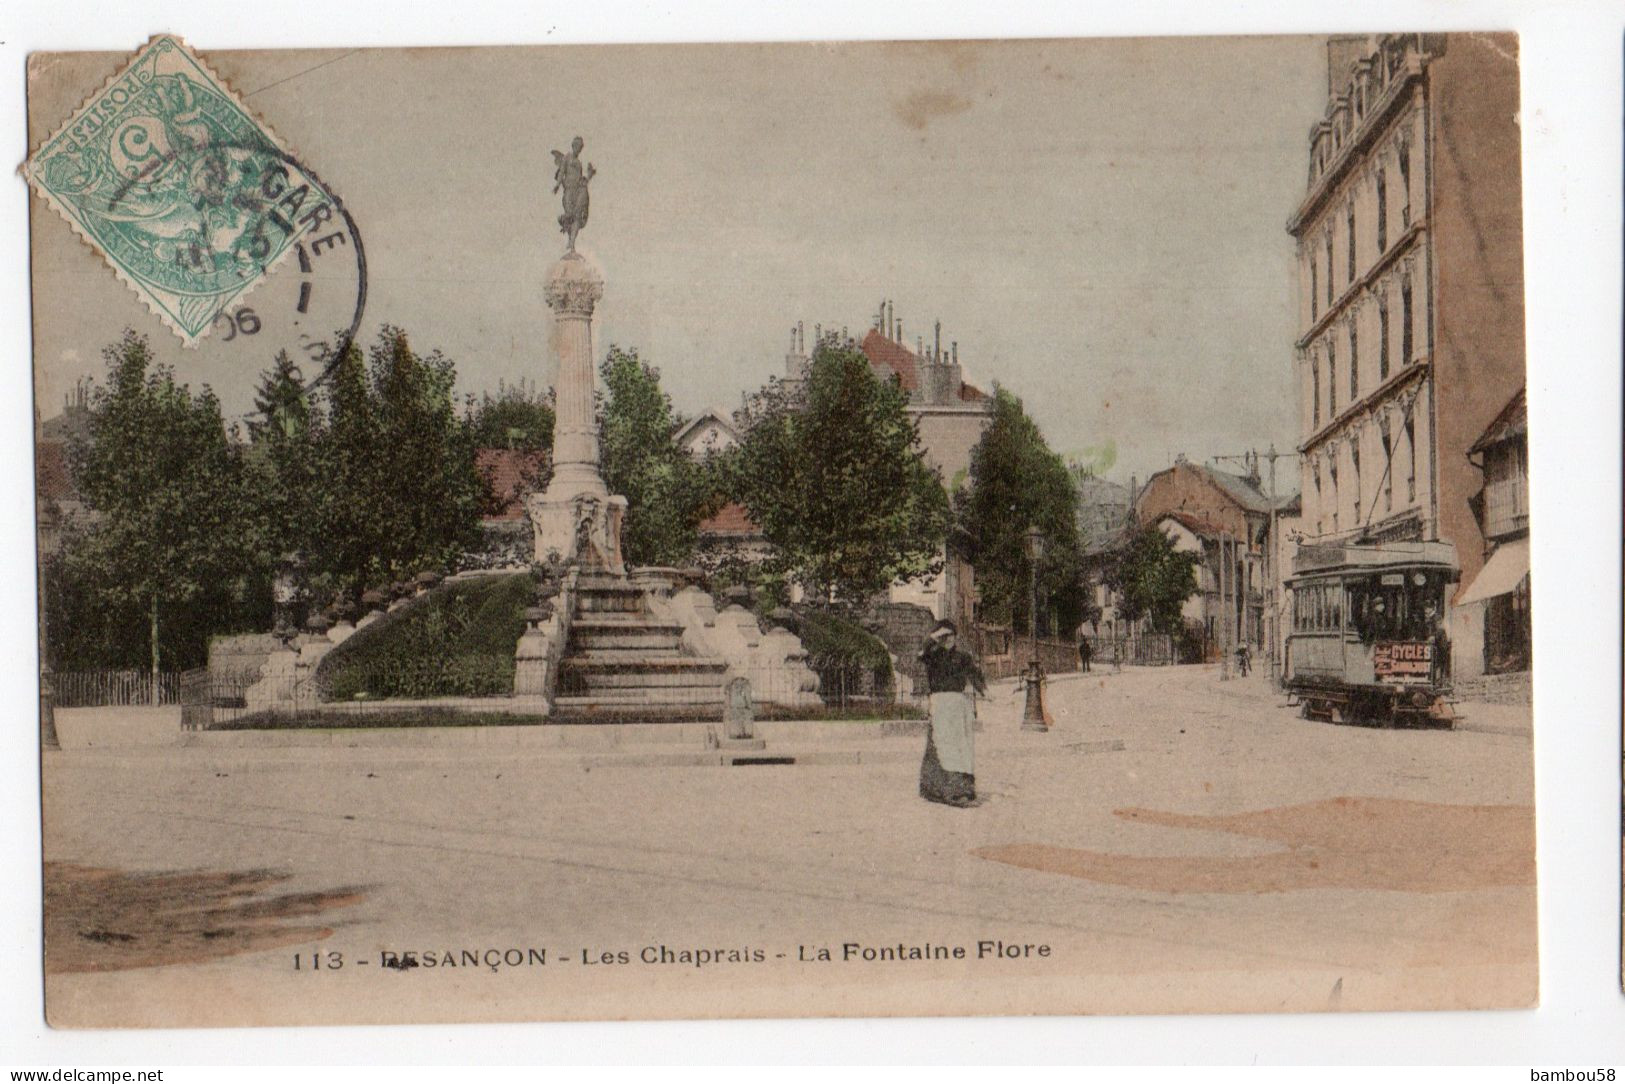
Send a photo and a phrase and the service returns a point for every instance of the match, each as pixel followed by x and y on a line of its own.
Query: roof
pixel 1195 524
pixel 53 473
pixel 511 472
pixel 894 356
pixel 731 521
pixel 1513 421
pixel 711 414
pixel 73 422
pixel 1244 490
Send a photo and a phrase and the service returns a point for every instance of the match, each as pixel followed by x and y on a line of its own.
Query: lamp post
pixel 1032 717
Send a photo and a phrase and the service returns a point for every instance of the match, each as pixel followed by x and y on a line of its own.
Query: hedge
pixel 458 639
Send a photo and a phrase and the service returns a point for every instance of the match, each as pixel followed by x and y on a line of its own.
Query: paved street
pixel 1228 855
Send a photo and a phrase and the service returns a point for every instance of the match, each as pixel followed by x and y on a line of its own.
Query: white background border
pixel 1571 58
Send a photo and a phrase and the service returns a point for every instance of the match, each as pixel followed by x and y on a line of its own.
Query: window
pixel 1410 441
pixel 1320 519
pixel 1314 289
pixel 1353 267
pixel 1405 323
pixel 1382 344
pixel 1354 361
pixel 1405 185
pixel 1331 478
pixel 1329 272
pixel 1314 383
pixel 1359 490
pixel 1387 468
pixel 1331 379
pixel 1382 212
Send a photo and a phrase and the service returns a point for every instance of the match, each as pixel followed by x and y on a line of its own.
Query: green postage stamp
pixel 189 198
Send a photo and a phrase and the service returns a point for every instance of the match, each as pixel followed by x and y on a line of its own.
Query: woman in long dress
pixel 948 773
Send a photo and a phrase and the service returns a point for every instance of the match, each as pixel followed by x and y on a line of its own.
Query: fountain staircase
pixel 623 664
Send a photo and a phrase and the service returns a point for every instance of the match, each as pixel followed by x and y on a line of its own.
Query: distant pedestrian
pixel 1244 659
pixel 948 772
pixel 1117 656
pixel 1086 651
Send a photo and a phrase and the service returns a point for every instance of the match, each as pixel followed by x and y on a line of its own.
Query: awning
pixel 1501 573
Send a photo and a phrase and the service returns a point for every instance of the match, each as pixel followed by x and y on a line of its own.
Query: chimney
pixel 936 350
pixel 891 320
pixel 956 351
pixel 801 337
pixel 899 331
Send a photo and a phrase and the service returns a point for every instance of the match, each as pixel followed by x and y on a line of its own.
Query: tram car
pixel 1367 643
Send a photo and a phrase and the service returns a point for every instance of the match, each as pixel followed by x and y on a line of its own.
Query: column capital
pixel 573 287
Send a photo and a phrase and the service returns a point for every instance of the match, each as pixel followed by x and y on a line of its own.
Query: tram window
pixel 1376 609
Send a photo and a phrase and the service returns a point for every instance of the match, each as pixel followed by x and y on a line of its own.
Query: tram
pixel 1367 643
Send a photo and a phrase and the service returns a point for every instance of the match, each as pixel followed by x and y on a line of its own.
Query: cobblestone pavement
pixel 1175 843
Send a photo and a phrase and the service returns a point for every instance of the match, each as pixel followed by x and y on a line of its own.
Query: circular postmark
pixel 196 205
pixel 305 295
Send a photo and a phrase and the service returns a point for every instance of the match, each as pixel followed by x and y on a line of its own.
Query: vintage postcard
pixel 946 528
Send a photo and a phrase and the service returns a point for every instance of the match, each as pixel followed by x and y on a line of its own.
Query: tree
pixel 1154 579
pixel 398 488
pixel 283 461
pixel 515 417
pixel 667 493
pixel 833 474
pixel 171 539
pixel 1017 482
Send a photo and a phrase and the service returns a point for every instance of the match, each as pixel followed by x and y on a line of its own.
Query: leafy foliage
pixel 833 474
pixel 284 460
pixel 828 635
pixel 456 640
pixel 371 479
pixel 1154 579
pixel 1016 481
pixel 667 493
pixel 399 492
pixel 517 416
pixel 173 532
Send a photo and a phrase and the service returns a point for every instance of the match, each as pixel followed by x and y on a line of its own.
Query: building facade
pixel 1225 519
pixel 1495 616
pixel 1410 288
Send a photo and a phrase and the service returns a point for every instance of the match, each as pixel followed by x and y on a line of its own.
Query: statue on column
pixel 569 177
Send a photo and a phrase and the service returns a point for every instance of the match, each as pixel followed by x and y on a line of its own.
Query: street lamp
pixel 1032 717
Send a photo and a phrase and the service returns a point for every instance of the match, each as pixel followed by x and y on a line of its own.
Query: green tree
pixel 398 491
pixel 283 461
pixel 667 493
pixel 1154 579
pixel 515 417
pixel 1017 482
pixel 833 474
pixel 171 538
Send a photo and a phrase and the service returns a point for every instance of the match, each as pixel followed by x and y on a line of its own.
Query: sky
pixel 1100 225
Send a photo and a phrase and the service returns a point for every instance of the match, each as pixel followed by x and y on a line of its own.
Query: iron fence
pixel 112 688
pixel 1004 654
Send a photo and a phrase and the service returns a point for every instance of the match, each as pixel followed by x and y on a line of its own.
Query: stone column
pixel 576 518
pixel 573 288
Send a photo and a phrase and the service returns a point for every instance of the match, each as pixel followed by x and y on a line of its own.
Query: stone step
pixel 632 660
pixel 628 652
pixel 621 623
pixel 655 682
pixel 609 604
pixel 674 707
pixel 629 641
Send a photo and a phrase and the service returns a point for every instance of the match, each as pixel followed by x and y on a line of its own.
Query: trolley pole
pixel 1224 613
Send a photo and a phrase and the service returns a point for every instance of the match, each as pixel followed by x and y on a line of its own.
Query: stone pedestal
pixel 577 517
